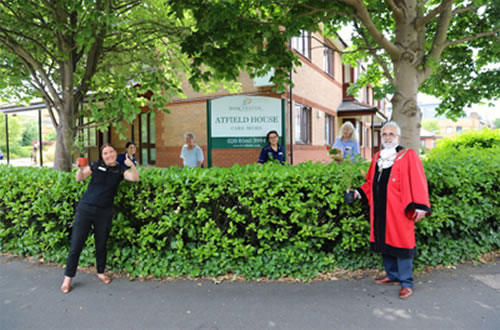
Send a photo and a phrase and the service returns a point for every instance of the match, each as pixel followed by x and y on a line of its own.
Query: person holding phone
pixel 95 209
pixel 347 141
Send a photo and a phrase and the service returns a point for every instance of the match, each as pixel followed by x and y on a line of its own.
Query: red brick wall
pixel 229 157
pixel 169 156
pixel 304 153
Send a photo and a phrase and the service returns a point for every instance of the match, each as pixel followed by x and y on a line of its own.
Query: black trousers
pixel 88 216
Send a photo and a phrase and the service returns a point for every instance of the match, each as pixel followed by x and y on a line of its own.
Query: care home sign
pixel 242 121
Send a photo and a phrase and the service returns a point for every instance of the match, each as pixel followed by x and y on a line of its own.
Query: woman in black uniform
pixel 95 210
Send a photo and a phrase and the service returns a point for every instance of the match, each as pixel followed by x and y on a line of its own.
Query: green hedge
pixel 272 221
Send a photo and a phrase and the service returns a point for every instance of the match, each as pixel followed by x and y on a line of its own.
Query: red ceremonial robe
pixel 393 195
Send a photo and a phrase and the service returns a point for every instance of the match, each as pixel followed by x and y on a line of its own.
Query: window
pixel 88 134
pixel 347 73
pixel 375 138
pixel 329 130
pixel 459 129
pixel 329 61
pixel 449 130
pixel 302 124
pixel 147 141
pixel 357 73
pixel 302 44
pixel 359 129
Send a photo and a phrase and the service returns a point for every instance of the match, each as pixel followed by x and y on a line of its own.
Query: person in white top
pixel 191 154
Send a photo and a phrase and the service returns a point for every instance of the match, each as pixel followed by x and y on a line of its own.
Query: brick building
pixel 315 109
pixel 319 105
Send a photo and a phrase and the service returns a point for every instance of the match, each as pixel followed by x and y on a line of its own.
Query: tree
pixel 431 125
pixel 30 132
pixel 497 123
pixel 90 59
pixel 443 48
pixel 15 132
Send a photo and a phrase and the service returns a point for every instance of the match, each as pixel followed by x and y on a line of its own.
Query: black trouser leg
pixel 102 227
pixel 79 234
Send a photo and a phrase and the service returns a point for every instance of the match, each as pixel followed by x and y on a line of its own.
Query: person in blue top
pixel 191 153
pixel 273 151
pixel 131 149
pixel 347 141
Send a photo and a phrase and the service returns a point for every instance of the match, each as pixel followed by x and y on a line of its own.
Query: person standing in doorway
pixel 396 190
pixel 191 153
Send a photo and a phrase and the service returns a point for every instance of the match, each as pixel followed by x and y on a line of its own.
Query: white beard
pixel 390 145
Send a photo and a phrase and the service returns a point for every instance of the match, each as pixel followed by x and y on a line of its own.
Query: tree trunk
pixel 66 132
pixel 404 103
pixel 405 111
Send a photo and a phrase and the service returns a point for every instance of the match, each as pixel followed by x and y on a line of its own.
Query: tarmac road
pixel 467 297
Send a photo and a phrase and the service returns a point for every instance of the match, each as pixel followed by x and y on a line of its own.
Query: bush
pixel 464 176
pixel 272 221
pixel 17 151
pixel 485 138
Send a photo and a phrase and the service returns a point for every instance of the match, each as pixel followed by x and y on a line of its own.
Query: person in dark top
pixel 273 151
pixel 131 149
pixel 95 210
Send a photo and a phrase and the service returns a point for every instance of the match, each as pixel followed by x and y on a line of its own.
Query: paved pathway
pixel 464 298
pixel 24 162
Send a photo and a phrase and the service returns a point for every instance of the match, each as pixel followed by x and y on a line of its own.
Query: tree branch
pixel 465 9
pixel 398 13
pixel 17 14
pixel 45 96
pixel 324 10
pixel 23 36
pixel 94 123
pixel 473 37
pixel 438 44
pixel 363 15
pixel 377 58
pixel 17 49
pixel 93 56
pixel 426 19
pixel 422 3
pixel 126 6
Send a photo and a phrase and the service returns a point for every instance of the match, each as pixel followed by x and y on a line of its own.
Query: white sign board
pixel 245 116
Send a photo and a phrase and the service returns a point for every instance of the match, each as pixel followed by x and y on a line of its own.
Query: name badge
pixel 102 168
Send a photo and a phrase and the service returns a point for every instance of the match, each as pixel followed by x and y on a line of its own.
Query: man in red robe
pixel 396 190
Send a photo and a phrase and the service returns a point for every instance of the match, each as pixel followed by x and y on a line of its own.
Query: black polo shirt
pixel 103 185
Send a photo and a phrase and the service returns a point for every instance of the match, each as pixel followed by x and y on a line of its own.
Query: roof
pixel 356 108
pixel 427 134
pixel 13 108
